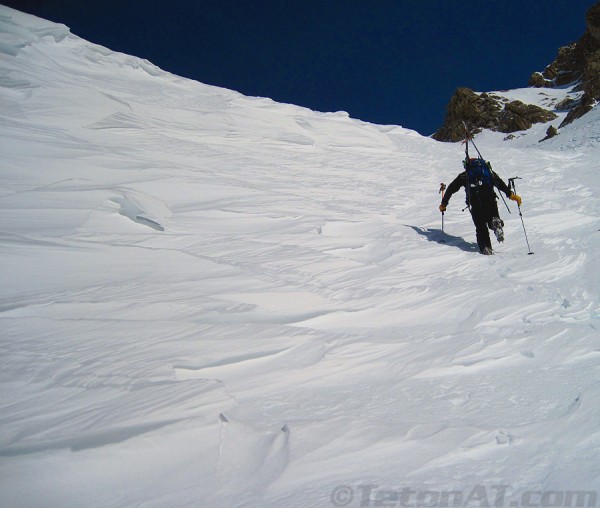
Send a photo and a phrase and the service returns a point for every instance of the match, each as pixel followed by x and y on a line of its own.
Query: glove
pixel 442 208
pixel 516 198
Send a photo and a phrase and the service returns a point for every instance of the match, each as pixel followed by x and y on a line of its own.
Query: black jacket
pixel 461 181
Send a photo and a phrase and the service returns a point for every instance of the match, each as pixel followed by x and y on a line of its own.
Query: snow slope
pixel 215 300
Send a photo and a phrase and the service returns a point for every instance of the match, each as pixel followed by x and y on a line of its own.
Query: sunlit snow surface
pixel 211 300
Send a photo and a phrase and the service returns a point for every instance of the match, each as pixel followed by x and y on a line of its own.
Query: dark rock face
pixel 474 109
pixel 485 111
pixel 578 62
pixel 518 116
pixel 592 21
pixel 566 69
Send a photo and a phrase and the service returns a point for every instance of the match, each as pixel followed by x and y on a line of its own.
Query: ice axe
pixel 511 185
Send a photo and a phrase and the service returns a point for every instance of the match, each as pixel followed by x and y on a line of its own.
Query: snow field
pixel 217 300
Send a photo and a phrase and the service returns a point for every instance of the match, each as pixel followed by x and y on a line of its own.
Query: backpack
pixel 479 175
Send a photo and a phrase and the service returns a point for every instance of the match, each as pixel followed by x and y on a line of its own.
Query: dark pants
pixel 482 213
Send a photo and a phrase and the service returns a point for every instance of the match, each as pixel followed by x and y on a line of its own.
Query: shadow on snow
pixel 435 235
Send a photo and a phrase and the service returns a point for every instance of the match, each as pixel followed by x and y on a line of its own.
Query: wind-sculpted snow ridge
pixel 215 300
pixel 143 209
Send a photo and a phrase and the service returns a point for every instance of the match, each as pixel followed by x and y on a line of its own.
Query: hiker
pixel 479 181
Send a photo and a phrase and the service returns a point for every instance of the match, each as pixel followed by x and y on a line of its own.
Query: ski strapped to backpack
pixel 479 171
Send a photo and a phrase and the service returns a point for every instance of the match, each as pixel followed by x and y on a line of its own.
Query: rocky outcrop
pixel 488 111
pixel 577 62
pixel 566 69
pixel 518 116
pixel 550 133
pixel 466 105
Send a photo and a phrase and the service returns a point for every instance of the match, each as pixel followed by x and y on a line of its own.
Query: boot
pixel 497 226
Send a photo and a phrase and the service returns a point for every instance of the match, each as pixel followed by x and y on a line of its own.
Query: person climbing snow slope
pixel 479 181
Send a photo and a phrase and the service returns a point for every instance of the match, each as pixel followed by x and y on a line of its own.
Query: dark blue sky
pixel 382 61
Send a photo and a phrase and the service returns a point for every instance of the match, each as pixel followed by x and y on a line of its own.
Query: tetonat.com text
pixel 479 496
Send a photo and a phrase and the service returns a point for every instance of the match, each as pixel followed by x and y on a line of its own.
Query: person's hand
pixel 443 208
pixel 516 198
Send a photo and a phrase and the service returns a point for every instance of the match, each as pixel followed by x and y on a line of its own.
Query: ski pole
pixel 442 189
pixel 511 183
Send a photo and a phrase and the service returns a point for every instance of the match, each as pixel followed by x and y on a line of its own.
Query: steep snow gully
pixel 216 300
